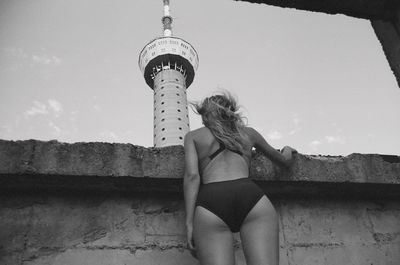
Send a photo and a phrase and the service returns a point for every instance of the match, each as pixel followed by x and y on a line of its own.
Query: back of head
pixel 220 114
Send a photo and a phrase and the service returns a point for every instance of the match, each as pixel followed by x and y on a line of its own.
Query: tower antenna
pixel 167 20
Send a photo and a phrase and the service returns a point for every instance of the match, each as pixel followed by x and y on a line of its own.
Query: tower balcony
pixel 167 53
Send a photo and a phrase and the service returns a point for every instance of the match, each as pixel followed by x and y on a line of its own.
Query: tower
pixel 168 64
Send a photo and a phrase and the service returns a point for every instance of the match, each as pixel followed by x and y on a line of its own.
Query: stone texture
pixel 91 159
pixel 44 228
pixel 355 168
pixel 83 256
pixel 137 229
pixel 340 231
pixel 99 203
pixel 103 167
pixel 340 224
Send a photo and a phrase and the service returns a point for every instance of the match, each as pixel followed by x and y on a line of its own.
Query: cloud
pixel 314 144
pixel 109 136
pixel 55 105
pixel 46 60
pixel 295 130
pixel 28 59
pixel 296 119
pixel 73 115
pixel 15 52
pixel 336 126
pixel 56 129
pixel 275 135
pixel 335 139
pixel 5 131
pixel 37 109
pixel 97 107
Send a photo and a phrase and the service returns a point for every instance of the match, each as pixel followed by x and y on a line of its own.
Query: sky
pixel 319 83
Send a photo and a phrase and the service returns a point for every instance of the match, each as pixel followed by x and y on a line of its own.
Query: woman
pixel 220 199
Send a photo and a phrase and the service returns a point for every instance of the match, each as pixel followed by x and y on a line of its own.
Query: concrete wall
pixel 368 9
pixel 388 33
pixel 98 203
pixel 102 230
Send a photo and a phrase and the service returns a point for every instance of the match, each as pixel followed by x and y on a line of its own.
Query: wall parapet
pixel 33 165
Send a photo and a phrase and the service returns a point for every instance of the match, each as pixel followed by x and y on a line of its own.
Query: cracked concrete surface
pixel 104 229
pixel 99 203
pixel 125 168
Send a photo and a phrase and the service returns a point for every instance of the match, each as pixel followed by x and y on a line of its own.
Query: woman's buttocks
pixel 215 179
pixel 227 191
pixel 222 188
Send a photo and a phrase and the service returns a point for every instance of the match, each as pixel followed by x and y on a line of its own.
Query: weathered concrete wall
pixel 369 9
pixel 103 230
pixel 388 33
pixel 99 203
pixel 124 167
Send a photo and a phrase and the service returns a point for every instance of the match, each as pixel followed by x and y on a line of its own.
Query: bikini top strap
pixel 217 152
pixel 222 148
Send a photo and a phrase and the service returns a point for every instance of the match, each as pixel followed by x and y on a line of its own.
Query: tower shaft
pixel 171 120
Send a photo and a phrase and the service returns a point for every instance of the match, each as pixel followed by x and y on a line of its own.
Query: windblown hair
pixel 220 114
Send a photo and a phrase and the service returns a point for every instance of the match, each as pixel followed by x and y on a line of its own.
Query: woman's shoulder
pixel 199 132
pixel 250 131
pixel 205 130
pixel 251 135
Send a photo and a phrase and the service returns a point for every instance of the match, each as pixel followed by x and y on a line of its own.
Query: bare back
pixel 227 165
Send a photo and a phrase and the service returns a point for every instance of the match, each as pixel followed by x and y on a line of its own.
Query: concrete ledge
pixel 368 9
pixel 388 33
pixel 103 167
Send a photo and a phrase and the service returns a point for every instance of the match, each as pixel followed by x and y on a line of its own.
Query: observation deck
pixel 168 53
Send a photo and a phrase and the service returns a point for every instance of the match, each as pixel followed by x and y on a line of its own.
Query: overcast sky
pixel 317 82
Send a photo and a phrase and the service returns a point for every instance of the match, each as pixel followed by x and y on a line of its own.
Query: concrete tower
pixel 168 64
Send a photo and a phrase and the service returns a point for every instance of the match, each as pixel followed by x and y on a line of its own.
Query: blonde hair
pixel 220 114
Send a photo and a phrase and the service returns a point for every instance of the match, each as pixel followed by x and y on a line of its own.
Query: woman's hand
pixel 290 149
pixel 190 240
pixel 288 152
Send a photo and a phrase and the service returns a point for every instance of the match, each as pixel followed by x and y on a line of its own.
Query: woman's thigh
pixel 212 238
pixel 260 234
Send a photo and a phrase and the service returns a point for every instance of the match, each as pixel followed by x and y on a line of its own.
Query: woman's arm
pixel 191 183
pixel 284 158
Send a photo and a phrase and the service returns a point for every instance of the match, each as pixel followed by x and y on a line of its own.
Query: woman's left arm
pixel 191 183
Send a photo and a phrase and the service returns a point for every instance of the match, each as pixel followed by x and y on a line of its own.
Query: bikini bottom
pixel 230 200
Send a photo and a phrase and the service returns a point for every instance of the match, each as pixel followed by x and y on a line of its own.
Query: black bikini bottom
pixel 230 200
